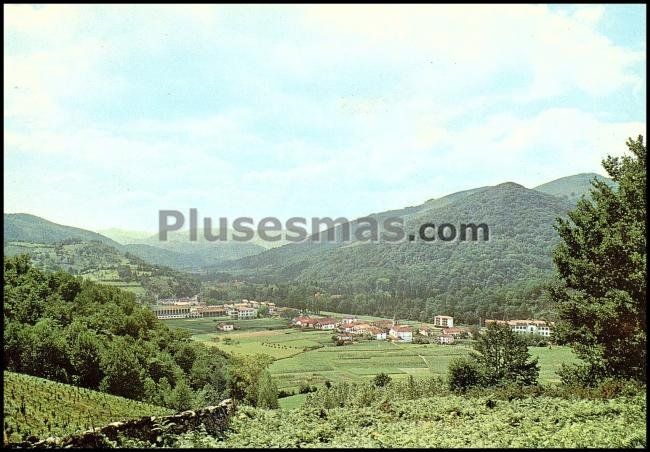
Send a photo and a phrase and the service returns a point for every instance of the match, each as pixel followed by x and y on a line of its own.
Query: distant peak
pixel 509 185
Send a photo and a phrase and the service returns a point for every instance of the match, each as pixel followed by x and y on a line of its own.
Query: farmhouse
pixel 446 339
pixel 304 321
pixel 443 321
pixel 425 330
pixel 348 319
pixel 401 332
pixel 226 326
pixel 377 333
pixel 325 323
pixel 455 332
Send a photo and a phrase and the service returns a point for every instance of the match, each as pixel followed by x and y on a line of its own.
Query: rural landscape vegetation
pixel 535 338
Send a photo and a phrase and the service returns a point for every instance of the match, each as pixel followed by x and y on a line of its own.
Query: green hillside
pixel 178 253
pixel 22 227
pixel 37 407
pixel 572 188
pixel 105 264
pixel 457 276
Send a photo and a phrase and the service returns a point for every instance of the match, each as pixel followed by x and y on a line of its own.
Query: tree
pixel 503 357
pixel 182 396
pixel 267 392
pixel 601 260
pixel 463 373
pixel 381 380
pixel 243 376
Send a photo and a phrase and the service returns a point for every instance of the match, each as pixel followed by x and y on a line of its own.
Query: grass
pixel 37 407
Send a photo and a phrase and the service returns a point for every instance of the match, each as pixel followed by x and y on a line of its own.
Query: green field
pixel 42 408
pixel 311 357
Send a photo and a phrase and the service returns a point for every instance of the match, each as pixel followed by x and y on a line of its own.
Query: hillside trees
pixel 70 330
pixel 601 260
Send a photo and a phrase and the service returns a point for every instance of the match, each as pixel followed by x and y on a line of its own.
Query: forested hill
pixel 23 227
pixel 470 279
pixel 573 187
pixel 521 238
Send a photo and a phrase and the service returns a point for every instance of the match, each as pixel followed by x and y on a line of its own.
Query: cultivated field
pixel 42 408
pixel 310 357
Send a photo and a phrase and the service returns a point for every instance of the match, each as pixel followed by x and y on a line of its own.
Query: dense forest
pixel 71 330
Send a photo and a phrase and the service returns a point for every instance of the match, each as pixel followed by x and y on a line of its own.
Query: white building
pixel 246 313
pixel 443 321
pixel 325 324
pixel 401 332
pixel 226 327
pixel 446 339
pixel 540 327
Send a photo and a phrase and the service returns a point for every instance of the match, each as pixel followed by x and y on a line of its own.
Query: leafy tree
pixel 243 376
pixel 601 299
pixel 502 355
pixel 122 370
pixel 463 373
pixel 267 392
pixel 381 380
pixel 181 397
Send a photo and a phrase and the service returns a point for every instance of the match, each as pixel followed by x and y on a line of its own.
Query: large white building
pixel 540 327
pixel 443 321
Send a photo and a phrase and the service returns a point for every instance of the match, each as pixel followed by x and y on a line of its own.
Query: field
pixel 42 408
pixel 311 357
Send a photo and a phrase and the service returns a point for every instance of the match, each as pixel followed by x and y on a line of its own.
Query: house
pixel 246 313
pixel 443 321
pixel 446 339
pixel 401 332
pixel 377 333
pixel 349 319
pixel 540 327
pixel 226 326
pixel 360 328
pixel 325 323
pixel 455 332
pixel 304 322
pixel 425 330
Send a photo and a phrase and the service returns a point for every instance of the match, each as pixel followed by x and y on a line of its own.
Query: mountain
pixel 23 227
pixel 471 279
pixel 573 187
pixel 177 253
pixel 124 236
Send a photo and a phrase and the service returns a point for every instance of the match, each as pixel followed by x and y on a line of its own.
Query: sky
pixel 112 113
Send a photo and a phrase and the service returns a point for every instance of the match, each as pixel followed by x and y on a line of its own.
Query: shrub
pixel 463 373
pixel 381 380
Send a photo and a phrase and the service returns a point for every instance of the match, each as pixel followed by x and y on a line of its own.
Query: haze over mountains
pixel 521 239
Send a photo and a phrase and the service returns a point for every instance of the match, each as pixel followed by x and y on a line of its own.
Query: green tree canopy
pixel 601 260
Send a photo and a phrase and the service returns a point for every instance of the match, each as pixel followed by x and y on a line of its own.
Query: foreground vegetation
pixel 38 407
pixel 441 421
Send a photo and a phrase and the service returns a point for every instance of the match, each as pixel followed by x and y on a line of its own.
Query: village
pixel 346 329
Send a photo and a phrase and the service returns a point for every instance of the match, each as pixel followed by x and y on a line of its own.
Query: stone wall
pixel 150 428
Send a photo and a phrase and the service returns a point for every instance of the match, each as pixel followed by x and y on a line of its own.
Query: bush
pixel 382 380
pixel 463 373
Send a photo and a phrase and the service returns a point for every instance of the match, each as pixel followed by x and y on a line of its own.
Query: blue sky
pixel 115 112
